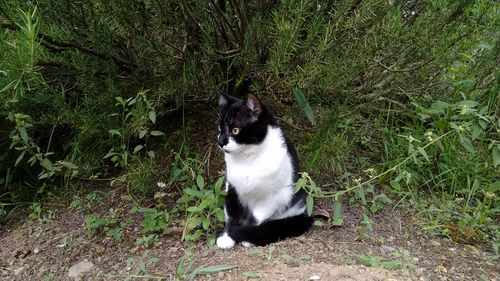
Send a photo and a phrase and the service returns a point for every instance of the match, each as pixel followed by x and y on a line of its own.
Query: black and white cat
pixel 261 206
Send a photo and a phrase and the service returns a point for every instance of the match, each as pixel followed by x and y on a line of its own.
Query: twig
pixel 406 69
pixel 292 125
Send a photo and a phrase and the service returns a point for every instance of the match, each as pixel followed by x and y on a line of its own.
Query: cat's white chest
pixel 266 169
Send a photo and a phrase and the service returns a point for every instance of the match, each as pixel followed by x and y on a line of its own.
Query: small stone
pixel 388 249
pixel 435 243
pixel 78 269
pixel 451 249
pixel 36 250
pixel 18 271
pixel 472 249
pixel 441 268
pixel 159 195
pixel 314 277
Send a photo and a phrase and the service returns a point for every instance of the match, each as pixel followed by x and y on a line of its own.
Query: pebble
pixel 420 271
pixel 388 249
pixel 18 271
pixel 441 268
pixel 314 277
pixel 77 269
pixel 36 250
pixel 435 243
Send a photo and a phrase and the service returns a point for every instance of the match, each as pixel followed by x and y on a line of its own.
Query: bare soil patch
pixel 35 250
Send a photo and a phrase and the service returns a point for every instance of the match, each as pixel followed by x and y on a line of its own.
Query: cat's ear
pixel 255 106
pixel 223 100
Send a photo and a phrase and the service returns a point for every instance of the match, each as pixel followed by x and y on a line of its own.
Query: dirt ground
pixel 33 249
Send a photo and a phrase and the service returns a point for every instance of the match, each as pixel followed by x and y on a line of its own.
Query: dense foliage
pixel 403 94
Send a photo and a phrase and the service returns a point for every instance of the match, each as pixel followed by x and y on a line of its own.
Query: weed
pixel 251 274
pixel 87 203
pixel 153 220
pixel 139 266
pixel 147 241
pixel 38 214
pixel 402 261
pixel 295 261
pixel 183 271
pixel 95 224
pixel 201 202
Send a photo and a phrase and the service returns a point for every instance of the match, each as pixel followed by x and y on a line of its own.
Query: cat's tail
pixel 271 231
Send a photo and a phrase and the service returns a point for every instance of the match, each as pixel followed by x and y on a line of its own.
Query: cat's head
pixel 241 122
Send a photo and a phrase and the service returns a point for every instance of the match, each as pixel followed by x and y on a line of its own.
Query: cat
pixel 261 205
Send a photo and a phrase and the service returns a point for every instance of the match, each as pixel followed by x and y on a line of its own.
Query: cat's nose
pixel 222 140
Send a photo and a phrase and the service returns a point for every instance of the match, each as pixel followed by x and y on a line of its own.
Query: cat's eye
pixel 235 131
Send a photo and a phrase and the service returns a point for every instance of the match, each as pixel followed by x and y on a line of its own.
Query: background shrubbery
pixel 403 95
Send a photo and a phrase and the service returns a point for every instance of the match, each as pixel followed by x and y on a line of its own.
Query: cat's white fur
pixel 225 242
pixel 260 173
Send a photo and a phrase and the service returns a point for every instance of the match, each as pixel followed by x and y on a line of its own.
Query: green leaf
pixel 193 209
pixel 210 270
pixel 23 133
pixel 132 101
pixel 287 257
pixel 68 165
pixel 299 184
pixel 177 173
pixel 206 224
pixel 200 181
pixel 120 100
pixel 218 185
pixel 391 265
pixel 468 103
pixel 251 274
pixel 21 156
pixel 422 151
pixel 304 105
pixel 466 143
pixel 440 105
pixel 152 116
pixel 115 132
pixel 151 154
pixel 309 204
pixel 394 184
pixel 337 213
pixel 476 130
pixel 496 155
pixel 47 164
pixel 138 148
pixel 319 223
pixel 142 133
pixel 157 133
pixel 305 257
pixel 369 260
pixel 195 222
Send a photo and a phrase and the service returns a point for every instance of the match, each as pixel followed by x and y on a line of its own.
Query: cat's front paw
pixel 246 244
pixel 225 242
